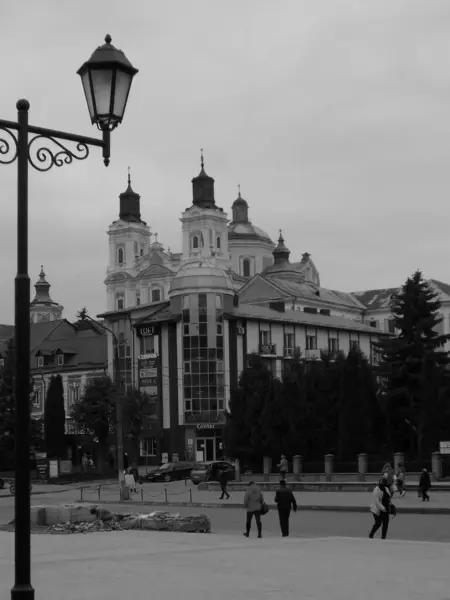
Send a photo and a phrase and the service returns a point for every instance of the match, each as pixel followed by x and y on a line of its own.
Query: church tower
pixel 204 224
pixel 42 308
pixel 129 237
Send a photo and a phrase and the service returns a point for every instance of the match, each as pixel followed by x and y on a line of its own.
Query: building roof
pixel 161 314
pixel 263 313
pixel 247 230
pixel 6 332
pixel 200 273
pixel 83 348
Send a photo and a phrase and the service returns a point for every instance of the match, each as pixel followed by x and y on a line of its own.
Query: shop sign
pixel 444 447
pixel 147 330
pixel 151 356
pixel 206 426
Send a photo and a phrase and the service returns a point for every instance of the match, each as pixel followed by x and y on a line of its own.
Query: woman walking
pixel 381 500
pixel 253 501
pixel 424 485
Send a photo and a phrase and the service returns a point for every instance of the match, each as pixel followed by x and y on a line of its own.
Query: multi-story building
pixel 228 294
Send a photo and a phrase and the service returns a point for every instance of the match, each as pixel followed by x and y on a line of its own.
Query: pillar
pixel 436 465
pixel 237 470
pixel 267 468
pixel 363 462
pixel 399 457
pixel 329 464
pixel 297 466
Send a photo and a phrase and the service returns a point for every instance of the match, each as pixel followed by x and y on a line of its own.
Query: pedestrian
pixel 223 480
pixel 285 500
pixel 424 485
pixel 388 474
pixel 283 466
pixel 400 475
pixel 253 501
pixel 381 500
pixel 126 461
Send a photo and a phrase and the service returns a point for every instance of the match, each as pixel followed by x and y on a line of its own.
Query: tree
pixel 95 414
pixel 7 417
pixel 138 412
pixel 414 370
pixel 55 419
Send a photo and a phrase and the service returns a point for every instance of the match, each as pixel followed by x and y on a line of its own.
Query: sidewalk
pixel 180 495
pixel 216 566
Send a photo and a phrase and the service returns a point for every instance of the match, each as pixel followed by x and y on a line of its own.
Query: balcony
pixel 203 416
pixel 268 349
pixel 288 352
pixel 312 354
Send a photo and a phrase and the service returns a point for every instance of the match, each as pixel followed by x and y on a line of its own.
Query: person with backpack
pixel 285 500
pixel 381 508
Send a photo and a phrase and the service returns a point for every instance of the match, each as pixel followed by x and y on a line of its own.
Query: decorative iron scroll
pixel 44 158
pixel 8 149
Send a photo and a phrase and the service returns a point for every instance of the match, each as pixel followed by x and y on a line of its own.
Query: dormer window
pixel 40 361
pixel 195 241
pixel 60 360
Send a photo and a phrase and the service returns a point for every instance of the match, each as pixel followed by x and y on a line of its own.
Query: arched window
pixel 218 243
pixel 195 242
pixel 156 295
pixel 136 248
pixel 120 301
pixel 246 267
pixel 120 256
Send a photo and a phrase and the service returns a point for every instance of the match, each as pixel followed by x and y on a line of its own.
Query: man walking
pixel 253 501
pixel 285 500
pixel 223 480
pixel 283 466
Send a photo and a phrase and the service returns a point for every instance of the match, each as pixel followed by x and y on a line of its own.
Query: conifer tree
pixel 55 419
pixel 414 370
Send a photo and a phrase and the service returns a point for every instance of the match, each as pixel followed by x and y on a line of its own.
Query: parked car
pixel 171 471
pixel 209 471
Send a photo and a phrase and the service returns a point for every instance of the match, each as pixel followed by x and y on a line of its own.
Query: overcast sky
pixel 332 115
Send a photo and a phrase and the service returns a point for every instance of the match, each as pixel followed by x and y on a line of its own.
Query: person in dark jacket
pixel 424 485
pixel 223 480
pixel 381 499
pixel 285 500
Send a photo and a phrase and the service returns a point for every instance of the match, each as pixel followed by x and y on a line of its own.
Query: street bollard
pixel 190 495
pixel 99 491
pixel 165 494
pixel 142 495
pixel 81 494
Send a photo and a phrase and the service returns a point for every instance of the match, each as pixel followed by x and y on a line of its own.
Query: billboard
pixel 149 370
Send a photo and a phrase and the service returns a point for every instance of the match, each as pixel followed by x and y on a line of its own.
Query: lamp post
pixel 106 78
pixel 119 395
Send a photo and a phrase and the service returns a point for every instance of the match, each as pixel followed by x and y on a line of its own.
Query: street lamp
pixel 107 78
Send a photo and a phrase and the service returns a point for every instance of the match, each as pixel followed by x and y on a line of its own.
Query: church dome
pixel 201 274
pixel 241 227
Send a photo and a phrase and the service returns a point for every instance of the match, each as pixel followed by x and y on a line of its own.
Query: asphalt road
pixel 303 523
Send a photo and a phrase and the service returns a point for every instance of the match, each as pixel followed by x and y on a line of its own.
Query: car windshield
pixel 165 466
pixel 202 466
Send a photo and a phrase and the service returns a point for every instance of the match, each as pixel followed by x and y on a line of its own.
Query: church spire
pixel 42 307
pixel 240 209
pixel 203 187
pixel 281 253
pixel 130 203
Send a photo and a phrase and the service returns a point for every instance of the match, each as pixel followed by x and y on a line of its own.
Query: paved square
pixel 166 566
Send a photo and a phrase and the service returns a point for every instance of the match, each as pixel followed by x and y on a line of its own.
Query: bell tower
pixel 42 307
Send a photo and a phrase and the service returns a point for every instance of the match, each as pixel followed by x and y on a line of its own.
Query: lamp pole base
pixel 22 592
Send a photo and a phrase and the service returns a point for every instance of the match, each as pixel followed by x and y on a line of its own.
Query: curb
pixel 411 510
pixel 46 492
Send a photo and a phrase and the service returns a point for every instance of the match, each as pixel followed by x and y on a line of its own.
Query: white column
pixel 226 356
pixel 112 254
pixel 165 387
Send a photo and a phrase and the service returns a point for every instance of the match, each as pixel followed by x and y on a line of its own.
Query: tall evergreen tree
pixel 414 370
pixel 55 419
pixel 7 409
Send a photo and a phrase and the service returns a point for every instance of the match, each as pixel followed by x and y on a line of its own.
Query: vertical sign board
pixel 444 447
pixel 149 369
